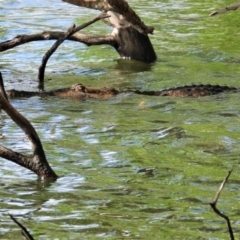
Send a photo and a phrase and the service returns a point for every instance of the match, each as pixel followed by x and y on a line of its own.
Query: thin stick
pixel 118 6
pixel 49 53
pixel 84 25
pixel 213 204
pixel 73 29
pixel 25 232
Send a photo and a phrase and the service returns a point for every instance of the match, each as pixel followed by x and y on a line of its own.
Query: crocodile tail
pixel 190 91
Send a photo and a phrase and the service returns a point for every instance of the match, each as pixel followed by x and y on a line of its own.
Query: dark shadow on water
pixel 133 66
pixel 42 184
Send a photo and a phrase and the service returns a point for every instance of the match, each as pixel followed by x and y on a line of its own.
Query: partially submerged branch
pixel 55 35
pixel 129 36
pixel 49 53
pixel 213 204
pixel 231 7
pixel 25 232
pixel 38 162
pixel 73 29
pixel 120 10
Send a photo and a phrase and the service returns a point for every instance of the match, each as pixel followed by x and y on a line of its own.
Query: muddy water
pixel 131 167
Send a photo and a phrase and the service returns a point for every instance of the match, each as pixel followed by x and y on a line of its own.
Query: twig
pixel 84 25
pixel 233 6
pixel 73 29
pixel 213 204
pixel 25 232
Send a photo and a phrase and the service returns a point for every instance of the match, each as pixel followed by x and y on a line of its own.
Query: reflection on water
pixel 130 167
pixel 132 66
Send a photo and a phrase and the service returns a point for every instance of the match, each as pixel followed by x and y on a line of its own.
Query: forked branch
pixel 38 162
pixel 56 35
pixel 120 10
pixel 129 36
pixel 213 204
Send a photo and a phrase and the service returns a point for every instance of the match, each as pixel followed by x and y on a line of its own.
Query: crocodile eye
pixel 81 88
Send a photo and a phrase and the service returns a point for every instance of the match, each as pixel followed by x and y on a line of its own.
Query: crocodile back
pixel 190 91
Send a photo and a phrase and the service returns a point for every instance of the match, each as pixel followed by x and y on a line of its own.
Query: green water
pixel 131 167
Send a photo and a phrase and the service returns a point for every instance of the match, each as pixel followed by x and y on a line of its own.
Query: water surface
pixel 131 167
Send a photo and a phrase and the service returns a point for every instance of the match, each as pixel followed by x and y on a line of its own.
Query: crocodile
pixel 75 91
pixel 82 92
pixel 193 90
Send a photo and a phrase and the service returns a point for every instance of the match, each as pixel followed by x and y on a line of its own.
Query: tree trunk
pixel 130 31
pixel 134 45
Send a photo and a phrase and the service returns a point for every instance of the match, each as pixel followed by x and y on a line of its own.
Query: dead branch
pixel 49 53
pixel 130 32
pixel 73 29
pixel 116 7
pixel 25 232
pixel 38 162
pixel 129 37
pixel 55 35
pixel 84 25
pixel 233 7
pixel 213 204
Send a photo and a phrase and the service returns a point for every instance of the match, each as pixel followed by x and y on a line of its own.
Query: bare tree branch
pixel 84 25
pixel 129 37
pixel 49 53
pixel 117 7
pixel 38 163
pixel 233 6
pixel 73 29
pixel 55 35
pixel 213 204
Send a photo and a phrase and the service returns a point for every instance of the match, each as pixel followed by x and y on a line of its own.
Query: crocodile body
pixel 190 91
pixel 75 91
pixel 82 92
